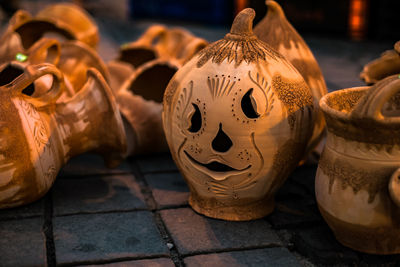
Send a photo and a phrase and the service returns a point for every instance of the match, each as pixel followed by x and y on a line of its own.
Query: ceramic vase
pixel 276 30
pixel 237 118
pixel 39 135
pixel 357 186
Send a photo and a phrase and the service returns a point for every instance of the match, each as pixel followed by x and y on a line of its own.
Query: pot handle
pixel 32 73
pixel 394 187
pixel 370 106
pixel 45 50
pixel 148 37
pixel 191 49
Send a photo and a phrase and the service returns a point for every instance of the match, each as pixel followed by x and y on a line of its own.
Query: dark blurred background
pixel 354 19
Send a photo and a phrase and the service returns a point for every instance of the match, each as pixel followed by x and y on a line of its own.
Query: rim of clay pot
pixel 327 107
pixel 144 74
pixel 89 51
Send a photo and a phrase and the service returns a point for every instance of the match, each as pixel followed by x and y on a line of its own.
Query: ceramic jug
pixel 61 21
pixel 357 188
pixel 276 30
pixel 39 135
pixel 237 118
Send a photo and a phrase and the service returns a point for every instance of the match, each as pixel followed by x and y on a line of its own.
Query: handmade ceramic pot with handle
pixel 357 188
pixel 237 118
pixel 38 135
pixel 61 21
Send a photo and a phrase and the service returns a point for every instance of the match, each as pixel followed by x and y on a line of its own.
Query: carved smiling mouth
pixel 215 166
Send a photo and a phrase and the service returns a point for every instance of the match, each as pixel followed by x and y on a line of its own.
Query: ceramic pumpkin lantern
pixel 276 30
pixel 237 118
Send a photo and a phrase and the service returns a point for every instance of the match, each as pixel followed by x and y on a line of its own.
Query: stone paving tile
pixel 292 214
pixel 168 189
pixel 99 237
pixel 31 210
pixel 90 164
pixel 156 163
pixel 194 233
pixel 159 262
pixel 320 245
pixel 22 243
pixel 97 194
pixel 295 204
pixel 258 257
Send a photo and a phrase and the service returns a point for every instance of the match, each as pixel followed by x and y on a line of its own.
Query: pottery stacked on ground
pixel 139 77
pixel 55 102
pixel 237 117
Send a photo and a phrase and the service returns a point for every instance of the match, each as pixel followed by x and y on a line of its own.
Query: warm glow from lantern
pixel 357 19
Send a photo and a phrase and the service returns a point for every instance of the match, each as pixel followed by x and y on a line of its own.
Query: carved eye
pixel 195 119
pixel 249 105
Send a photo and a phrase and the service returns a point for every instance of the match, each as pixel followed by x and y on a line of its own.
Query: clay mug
pixel 357 186
pixel 276 30
pixel 38 135
pixel 237 118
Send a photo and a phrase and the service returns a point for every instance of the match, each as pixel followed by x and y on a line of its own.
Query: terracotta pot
pixel 39 135
pixel 62 21
pixel 355 190
pixel 237 118
pixel 158 42
pixel 143 49
pixel 139 93
pixel 140 102
pixel 276 30
pixel 380 68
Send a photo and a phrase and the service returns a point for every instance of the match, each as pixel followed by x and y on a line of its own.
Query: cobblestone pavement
pixel 138 215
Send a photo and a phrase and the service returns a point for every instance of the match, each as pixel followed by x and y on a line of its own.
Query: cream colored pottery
pixel 276 30
pixel 61 21
pixel 388 64
pixel 356 186
pixel 237 118
pixel 39 135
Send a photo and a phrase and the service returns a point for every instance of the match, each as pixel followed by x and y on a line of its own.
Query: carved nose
pixel 221 142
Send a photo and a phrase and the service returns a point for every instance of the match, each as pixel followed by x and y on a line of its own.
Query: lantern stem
pixel 243 23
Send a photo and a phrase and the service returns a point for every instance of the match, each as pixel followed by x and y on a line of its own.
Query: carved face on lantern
pixel 226 122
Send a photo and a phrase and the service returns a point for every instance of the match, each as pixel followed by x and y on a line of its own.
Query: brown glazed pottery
pixel 357 186
pixel 237 118
pixel 39 134
pixel 388 64
pixel 62 21
pixel 276 30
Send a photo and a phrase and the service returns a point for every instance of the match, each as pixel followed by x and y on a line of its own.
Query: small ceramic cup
pixel 357 188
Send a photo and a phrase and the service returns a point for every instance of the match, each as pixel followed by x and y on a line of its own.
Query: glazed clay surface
pixel 356 170
pixel 39 135
pixel 237 119
pixel 276 30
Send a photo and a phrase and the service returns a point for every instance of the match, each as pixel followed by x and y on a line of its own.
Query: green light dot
pixel 21 57
pixel 398 76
